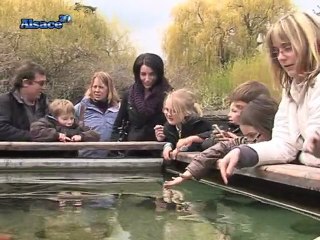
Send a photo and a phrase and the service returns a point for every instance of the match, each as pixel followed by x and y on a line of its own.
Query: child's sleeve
pixel 41 132
pixel 206 160
pixel 89 135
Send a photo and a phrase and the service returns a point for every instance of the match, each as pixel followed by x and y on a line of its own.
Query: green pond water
pixel 128 207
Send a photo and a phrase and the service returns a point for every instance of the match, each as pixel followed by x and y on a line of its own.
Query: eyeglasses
pixel 284 50
pixel 40 83
pixel 169 111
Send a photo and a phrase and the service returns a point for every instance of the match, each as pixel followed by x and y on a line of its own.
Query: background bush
pixel 70 55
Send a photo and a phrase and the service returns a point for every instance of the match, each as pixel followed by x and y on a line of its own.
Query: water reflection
pixel 136 210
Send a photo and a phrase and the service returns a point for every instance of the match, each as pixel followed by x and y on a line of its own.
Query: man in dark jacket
pixel 24 104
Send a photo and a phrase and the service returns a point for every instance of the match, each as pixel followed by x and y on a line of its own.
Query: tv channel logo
pixel 30 23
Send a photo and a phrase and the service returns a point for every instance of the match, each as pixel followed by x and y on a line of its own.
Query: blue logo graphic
pixel 30 23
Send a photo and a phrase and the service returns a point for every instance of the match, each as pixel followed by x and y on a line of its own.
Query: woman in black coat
pixel 141 105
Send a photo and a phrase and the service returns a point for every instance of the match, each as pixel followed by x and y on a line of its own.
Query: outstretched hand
pixel 175 181
pixel 228 164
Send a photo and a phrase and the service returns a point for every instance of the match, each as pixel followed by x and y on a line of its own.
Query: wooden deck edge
pixel 79 177
pixel 290 174
pixel 79 163
pixel 61 146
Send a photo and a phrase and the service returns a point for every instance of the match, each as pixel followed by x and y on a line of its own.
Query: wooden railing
pixel 290 174
pixel 112 164
pixel 59 146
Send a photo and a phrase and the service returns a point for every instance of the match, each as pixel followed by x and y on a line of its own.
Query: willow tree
pixel 207 34
pixel 89 42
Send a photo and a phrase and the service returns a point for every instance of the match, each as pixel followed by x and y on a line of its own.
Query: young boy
pixel 60 125
pixel 239 98
pixel 256 123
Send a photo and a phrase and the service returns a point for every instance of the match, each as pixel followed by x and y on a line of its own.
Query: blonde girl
pixel 183 115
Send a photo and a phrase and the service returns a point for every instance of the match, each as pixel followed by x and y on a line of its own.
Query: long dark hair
pixel 151 60
pixel 153 103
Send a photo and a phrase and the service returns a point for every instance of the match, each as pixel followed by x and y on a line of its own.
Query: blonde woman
pixel 98 110
pixel 183 116
pixel 293 50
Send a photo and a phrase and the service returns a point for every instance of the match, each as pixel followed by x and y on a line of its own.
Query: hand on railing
pixel 63 138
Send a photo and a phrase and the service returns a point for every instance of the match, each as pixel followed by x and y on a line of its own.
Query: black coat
pixel 192 126
pixel 140 126
pixel 14 121
pixel 15 125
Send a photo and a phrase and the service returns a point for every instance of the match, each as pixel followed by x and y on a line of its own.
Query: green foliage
pixel 214 88
pixel 254 68
pixel 215 42
pixel 71 55
pixel 209 34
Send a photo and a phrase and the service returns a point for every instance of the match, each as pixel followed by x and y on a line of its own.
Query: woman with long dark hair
pixel 141 105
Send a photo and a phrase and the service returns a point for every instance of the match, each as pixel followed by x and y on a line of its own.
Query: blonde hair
pixel 184 104
pixel 61 107
pixel 105 78
pixel 302 31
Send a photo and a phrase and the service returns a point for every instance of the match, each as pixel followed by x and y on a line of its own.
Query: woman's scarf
pixel 152 102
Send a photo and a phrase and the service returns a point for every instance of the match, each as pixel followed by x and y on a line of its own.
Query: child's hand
pixel 312 144
pixel 76 138
pixel 158 131
pixel 228 164
pixel 175 181
pixel 223 135
pixel 230 135
pixel 174 153
pixel 63 138
pixel 166 153
pixel 185 142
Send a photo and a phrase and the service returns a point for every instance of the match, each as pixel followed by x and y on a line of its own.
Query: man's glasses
pixel 40 83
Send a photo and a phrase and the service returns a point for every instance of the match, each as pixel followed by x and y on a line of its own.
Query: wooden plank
pixel 290 174
pixel 80 163
pixel 59 146
pixel 283 178
pixel 78 177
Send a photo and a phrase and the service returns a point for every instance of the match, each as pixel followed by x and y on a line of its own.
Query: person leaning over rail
pixel 98 110
pixel 293 44
pixel 256 122
pixel 141 105
pixel 239 98
pixel 24 104
pixel 60 125
pixel 183 116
